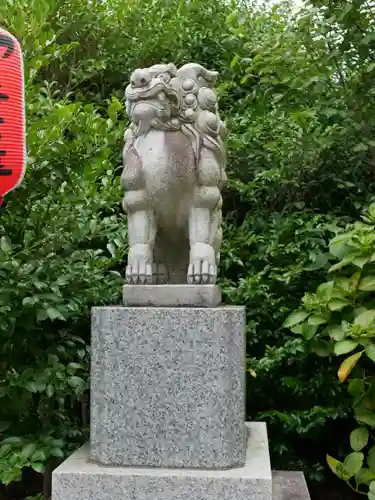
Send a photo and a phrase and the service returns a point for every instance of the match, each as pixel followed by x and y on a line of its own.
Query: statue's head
pixel 150 97
pixel 165 97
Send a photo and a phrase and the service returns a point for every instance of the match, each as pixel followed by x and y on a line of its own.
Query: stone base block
pixel 167 387
pixel 78 479
pixel 289 485
pixel 171 295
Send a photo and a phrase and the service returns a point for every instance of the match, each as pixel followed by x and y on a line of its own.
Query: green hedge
pixel 297 94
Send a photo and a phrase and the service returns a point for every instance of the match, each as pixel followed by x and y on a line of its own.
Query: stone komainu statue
pixel 174 167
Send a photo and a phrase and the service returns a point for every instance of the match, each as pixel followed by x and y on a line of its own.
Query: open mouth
pixel 147 92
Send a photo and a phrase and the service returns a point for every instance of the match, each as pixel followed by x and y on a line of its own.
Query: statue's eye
pixel 164 76
pixel 132 83
pixel 143 81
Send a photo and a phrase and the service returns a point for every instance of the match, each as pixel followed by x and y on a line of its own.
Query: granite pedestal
pixel 77 478
pixel 167 406
pixel 167 387
pixel 171 295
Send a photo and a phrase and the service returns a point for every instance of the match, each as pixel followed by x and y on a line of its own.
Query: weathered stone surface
pixel 168 387
pixel 174 168
pixel 79 479
pixel 289 485
pixel 172 295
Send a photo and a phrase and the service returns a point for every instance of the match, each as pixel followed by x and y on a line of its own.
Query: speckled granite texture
pixel 168 387
pixel 289 485
pixel 78 479
pixel 172 295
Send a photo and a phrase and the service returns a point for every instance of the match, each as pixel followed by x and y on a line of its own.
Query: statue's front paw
pixel 138 273
pixel 202 266
pixel 139 270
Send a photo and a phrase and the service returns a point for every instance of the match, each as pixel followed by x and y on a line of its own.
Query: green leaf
pixel 356 387
pixel 337 304
pixel 5 449
pixel 38 467
pixel 367 284
pixel 81 353
pixel 76 381
pixel 50 390
pixel 57 443
pixel 372 487
pixel 359 438
pixel 365 318
pixel 360 261
pixel 5 244
pixel 343 283
pixel 308 331
pixel 31 386
pixel 336 332
pixel 338 246
pixel 324 291
pixel 364 476
pixel 111 249
pixel 365 417
pixel 15 440
pixel 371 459
pixel 316 319
pixel 298 328
pixel 57 452
pixel 353 462
pixel 321 348
pixel 38 456
pixel 28 450
pixel 295 318
pixel 53 314
pixel 337 468
pixel 347 366
pixel 370 351
pixel 75 366
pixel 340 265
pixel 344 346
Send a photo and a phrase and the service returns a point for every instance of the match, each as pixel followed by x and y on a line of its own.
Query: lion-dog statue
pixel 173 170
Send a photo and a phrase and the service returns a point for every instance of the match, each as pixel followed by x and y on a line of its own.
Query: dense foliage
pixel 339 318
pixel 297 92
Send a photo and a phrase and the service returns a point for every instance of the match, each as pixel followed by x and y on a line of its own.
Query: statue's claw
pixel 201 273
pixel 139 269
pixel 138 273
pixel 202 267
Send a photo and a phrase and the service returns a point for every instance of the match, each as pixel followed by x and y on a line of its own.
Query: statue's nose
pixel 140 78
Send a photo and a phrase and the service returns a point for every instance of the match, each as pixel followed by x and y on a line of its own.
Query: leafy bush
pixel 338 319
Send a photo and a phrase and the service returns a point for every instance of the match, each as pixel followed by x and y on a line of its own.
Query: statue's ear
pixel 172 70
pixel 211 76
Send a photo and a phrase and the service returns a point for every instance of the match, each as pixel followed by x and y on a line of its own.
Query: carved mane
pixel 183 99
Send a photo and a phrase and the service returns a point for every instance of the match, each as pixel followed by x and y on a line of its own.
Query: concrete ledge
pixel 171 295
pixel 79 479
pixel 289 485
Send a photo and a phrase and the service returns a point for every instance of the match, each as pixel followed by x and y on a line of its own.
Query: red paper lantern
pixel 12 114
